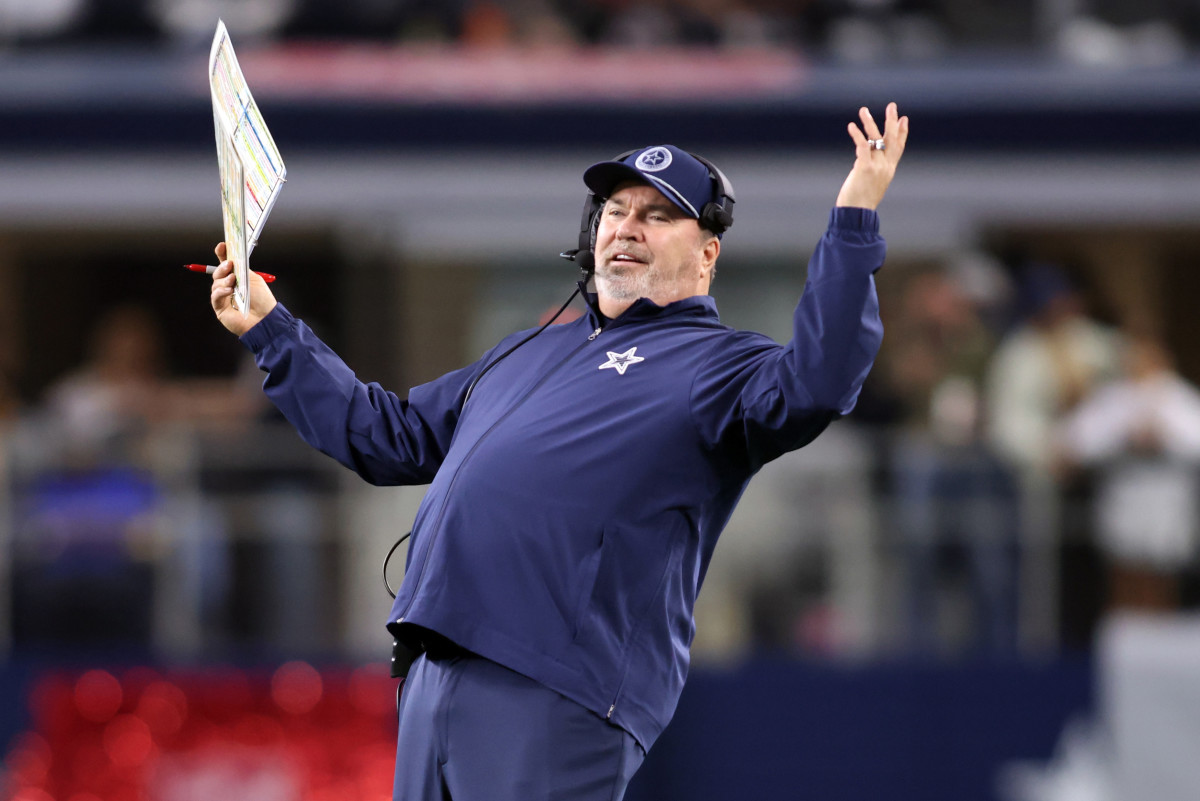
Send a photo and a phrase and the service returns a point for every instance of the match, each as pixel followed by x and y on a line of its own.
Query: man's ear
pixel 709 252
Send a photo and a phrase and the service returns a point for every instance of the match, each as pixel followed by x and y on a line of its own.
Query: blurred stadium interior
pixel 170 577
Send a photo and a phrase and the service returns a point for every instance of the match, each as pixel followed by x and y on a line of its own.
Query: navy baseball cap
pixel 676 173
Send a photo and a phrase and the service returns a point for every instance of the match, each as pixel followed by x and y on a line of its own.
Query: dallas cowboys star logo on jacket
pixel 621 361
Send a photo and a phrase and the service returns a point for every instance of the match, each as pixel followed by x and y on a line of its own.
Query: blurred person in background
pixel 109 408
pixel 523 23
pixel 698 23
pixel 1053 359
pixel 1050 361
pixel 29 22
pixel 106 405
pixel 1140 435
pixel 868 32
pixel 952 496
pixel 1123 33
pixel 98 519
pixel 556 557
pixel 86 527
pixel 193 21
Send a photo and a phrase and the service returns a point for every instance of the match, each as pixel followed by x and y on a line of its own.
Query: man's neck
pixel 612 308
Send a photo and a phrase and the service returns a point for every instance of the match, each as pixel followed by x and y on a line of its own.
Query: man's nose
pixel 629 228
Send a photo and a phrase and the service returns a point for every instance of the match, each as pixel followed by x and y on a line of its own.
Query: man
pixel 578 482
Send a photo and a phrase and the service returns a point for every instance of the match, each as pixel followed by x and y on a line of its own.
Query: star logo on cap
pixel 654 159
pixel 621 361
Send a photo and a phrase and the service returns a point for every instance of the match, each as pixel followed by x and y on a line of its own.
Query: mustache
pixel 633 253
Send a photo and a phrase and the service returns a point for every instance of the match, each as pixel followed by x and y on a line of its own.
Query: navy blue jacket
pixel 576 498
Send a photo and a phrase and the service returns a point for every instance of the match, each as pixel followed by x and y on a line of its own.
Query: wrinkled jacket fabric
pixel 576 497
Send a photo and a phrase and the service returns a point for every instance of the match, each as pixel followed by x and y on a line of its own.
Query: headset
pixel 716 216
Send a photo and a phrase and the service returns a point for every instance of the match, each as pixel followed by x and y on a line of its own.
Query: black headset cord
pixel 579 289
pixel 508 352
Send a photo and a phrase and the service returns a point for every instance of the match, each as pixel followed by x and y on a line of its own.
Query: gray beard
pixel 623 287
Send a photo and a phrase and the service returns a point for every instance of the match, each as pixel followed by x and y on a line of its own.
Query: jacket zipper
pixel 470 453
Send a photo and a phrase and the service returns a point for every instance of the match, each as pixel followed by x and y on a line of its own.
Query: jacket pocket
pixel 588 570
pixel 628 573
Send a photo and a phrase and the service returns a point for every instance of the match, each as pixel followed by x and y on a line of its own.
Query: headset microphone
pixel 587 263
pixel 585 260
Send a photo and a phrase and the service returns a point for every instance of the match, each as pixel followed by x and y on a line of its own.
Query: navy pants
pixel 471 730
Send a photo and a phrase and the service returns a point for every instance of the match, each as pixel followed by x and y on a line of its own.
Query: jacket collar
pixel 646 309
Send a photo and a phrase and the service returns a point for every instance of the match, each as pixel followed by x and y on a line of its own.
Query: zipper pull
pixel 595 334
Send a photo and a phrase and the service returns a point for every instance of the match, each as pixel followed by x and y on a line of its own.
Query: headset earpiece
pixel 590 223
pixel 717 216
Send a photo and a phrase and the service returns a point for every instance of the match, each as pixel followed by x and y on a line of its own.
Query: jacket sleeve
pixel 757 399
pixel 383 438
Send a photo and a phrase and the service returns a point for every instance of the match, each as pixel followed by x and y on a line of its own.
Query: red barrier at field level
pixel 296 734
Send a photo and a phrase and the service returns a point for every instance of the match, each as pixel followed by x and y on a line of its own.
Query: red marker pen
pixel 209 269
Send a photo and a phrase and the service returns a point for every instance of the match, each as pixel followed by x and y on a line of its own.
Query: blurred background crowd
pixel 955 592
pixel 1089 31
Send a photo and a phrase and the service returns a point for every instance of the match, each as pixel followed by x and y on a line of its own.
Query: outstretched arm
pixel 873 168
pixel 382 437
pixel 768 399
